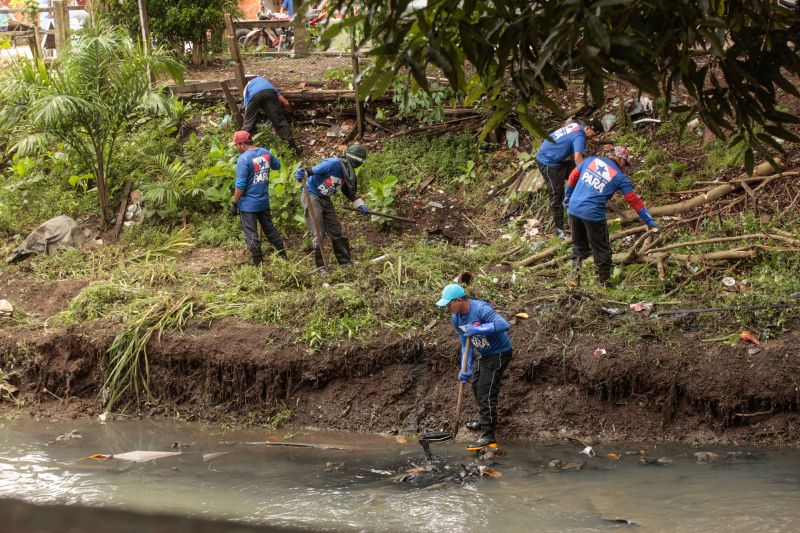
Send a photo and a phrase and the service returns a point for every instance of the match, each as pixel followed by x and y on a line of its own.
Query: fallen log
pixel 544 254
pixel 725 239
pixel 761 174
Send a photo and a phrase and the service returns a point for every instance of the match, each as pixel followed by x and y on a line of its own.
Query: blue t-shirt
pixel 256 85
pixel 326 178
pixel 289 5
pixel 568 140
pixel 481 312
pixel 598 180
pixel 252 176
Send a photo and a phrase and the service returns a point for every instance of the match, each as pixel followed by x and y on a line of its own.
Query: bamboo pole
pixel 233 48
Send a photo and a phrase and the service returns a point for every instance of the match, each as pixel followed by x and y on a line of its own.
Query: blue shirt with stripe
pixel 326 178
pixel 567 140
pixel 254 86
pixel 481 312
pixel 252 177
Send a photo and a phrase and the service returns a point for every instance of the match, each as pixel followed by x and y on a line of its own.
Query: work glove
pixel 483 329
pixel 300 174
pixel 464 377
pixel 234 208
pixel 653 228
pixel 361 206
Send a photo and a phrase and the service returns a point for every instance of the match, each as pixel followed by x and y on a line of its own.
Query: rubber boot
pixel 486 439
pixel 258 256
pixel 576 271
pixel 604 277
pixel 319 262
pixel 282 252
pixel 341 248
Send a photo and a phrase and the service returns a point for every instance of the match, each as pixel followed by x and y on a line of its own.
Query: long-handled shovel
pixel 441 436
pixel 314 223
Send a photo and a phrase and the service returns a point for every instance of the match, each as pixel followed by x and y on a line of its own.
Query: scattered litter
pixel 490 472
pixel 99 457
pixel 103 417
pixel 754 351
pixel 523 316
pixel 211 456
pixel 329 466
pixel 532 229
pixel 694 123
pixel 512 137
pixel 74 434
pixel 647 307
pixel 706 457
pixel 334 131
pixel 599 351
pixel 589 450
pixel 399 439
pixel 177 445
pixel 612 311
pixel 379 259
pixel 557 465
pixel 609 120
pixel 614 456
pixel 645 121
pixel 691 268
pixel 58 232
pixel 749 336
pixel 661 461
pixel 143 456
pixel 382 472
pixel 622 521
pixel 728 281
pixel 7 389
pixel 6 309
pixel 435 205
pixel 640 106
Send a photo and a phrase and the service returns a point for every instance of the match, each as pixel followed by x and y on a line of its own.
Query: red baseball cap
pixel 242 136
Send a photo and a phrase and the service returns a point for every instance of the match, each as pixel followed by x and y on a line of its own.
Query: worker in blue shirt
pixel 251 195
pixel 478 322
pixel 288 7
pixel 591 185
pixel 261 97
pixel 558 157
pixel 323 181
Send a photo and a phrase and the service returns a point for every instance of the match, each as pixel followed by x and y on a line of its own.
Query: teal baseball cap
pixel 450 293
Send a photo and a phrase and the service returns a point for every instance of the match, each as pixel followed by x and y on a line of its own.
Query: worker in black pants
pixel 557 158
pixel 261 97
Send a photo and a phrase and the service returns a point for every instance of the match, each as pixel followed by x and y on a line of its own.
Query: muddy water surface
pixel 357 488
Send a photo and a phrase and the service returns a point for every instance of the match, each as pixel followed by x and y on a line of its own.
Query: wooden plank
pixel 59 21
pixel 356 75
pixel 427 182
pixel 237 116
pixel 233 48
pixel 123 205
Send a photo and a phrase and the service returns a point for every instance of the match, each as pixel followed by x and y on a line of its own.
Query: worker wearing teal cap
pixel 477 321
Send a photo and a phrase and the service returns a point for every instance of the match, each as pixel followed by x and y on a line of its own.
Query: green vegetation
pixel 86 102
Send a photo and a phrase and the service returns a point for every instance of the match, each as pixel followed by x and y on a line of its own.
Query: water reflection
pixel 355 489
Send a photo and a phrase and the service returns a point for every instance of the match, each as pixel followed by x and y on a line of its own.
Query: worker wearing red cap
pixel 591 185
pixel 251 195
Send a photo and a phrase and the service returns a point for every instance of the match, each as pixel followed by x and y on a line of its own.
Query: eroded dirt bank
pixel 650 388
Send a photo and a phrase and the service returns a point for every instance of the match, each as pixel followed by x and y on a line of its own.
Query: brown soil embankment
pixel 646 389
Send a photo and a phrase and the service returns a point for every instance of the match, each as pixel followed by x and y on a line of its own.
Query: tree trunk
pixel 102 192
pixel 301 42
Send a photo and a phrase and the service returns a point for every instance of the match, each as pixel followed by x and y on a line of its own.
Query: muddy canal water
pixel 356 488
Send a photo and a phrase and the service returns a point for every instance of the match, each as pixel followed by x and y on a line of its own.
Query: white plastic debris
pixel 512 137
pixel 728 281
pixel 435 205
pixel 588 451
pixel 6 308
pixel 144 456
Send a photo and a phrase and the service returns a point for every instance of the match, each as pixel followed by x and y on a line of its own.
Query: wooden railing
pixel 61 29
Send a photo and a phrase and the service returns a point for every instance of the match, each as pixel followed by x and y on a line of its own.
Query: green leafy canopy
pixel 730 56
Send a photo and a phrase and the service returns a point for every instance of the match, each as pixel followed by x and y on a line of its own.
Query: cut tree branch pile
pixel 646 248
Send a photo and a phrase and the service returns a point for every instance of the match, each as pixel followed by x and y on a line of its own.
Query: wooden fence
pixel 61 30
